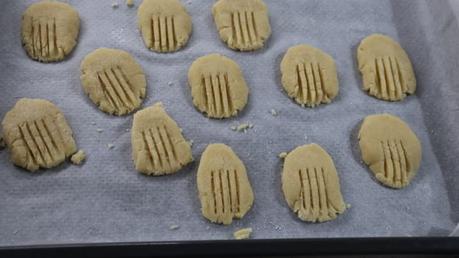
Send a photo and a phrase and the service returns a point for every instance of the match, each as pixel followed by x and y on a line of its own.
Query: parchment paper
pixel 106 200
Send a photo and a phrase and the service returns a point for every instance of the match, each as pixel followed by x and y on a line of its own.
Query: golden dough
pixel 386 68
pixel 391 149
pixel 217 86
pixel 224 188
pixel 50 30
pixel 37 134
pixel 309 75
pixel 242 24
pixel 113 80
pixel 78 157
pixel 311 185
pixel 158 146
pixel 165 25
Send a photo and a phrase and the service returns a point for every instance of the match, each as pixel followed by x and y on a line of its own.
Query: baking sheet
pixel 106 200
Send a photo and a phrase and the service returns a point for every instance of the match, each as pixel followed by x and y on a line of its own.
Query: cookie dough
pixel 50 30
pixel 165 25
pixel 242 24
pixel 158 146
pixel 309 75
pixel 242 234
pixel 37 134
pixel 113 80
pixel 311 185
pixel 386 68
pixel 391 149
pixel 78 157
pixel 224 188
pixel 217 86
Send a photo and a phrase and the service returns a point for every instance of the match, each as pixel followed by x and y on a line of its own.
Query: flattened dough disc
pixel 50 30
pixel 165 25
pixel 224 188
pixel 113 80
pixel 391 149
pixel 311 185
pixel 386 68
pixel 242 24
pixel 309 75
pixel 37 134
pixel 217 86
pixel 158 146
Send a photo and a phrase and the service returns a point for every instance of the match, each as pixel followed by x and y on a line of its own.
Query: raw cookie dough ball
pixel 386 68
pixel 242 24
pixel 158 146
pixel 50 30
pixel 217 86
pixel 224 188
pixel 309 76
pixel 391 149
pixel 311 185
pixel 113 80
pixel 165 25
pixel 37 134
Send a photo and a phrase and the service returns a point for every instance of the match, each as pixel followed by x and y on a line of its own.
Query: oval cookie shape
pixel 37 134
pixel 391 149
pixel 242 24
pixel 158 146
pixel 311 185
pixel 165 25
pixel 224 188
pixel 50 30
pixel 113 80
pixel 217 86
pixel 386 69
pixel 309 76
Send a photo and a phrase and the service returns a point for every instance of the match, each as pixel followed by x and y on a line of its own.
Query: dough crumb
pixel 78 157
pixel 348 205
pixel 99 130
pixel 110 146
pixel 191 142
pixel 170 84
pixel 242 233
pixel 127 130
pixel 282 155
pixel 130 3
pixel 242 127
pixel 115 5
pixel 274 112
pixel 174 227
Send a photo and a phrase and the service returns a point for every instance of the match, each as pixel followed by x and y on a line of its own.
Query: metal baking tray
pixel 105 208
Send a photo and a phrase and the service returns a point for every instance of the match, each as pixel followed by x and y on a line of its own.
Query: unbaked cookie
pixel 309 75
pixel 391 149
pixel 311 185
pixel 113 80
pixel 242 24
pixel 50 30
pixel 224 188
pixel 386 68
pixel 165 25
pixel 37 134
pixel 218 86
pixel 158 146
